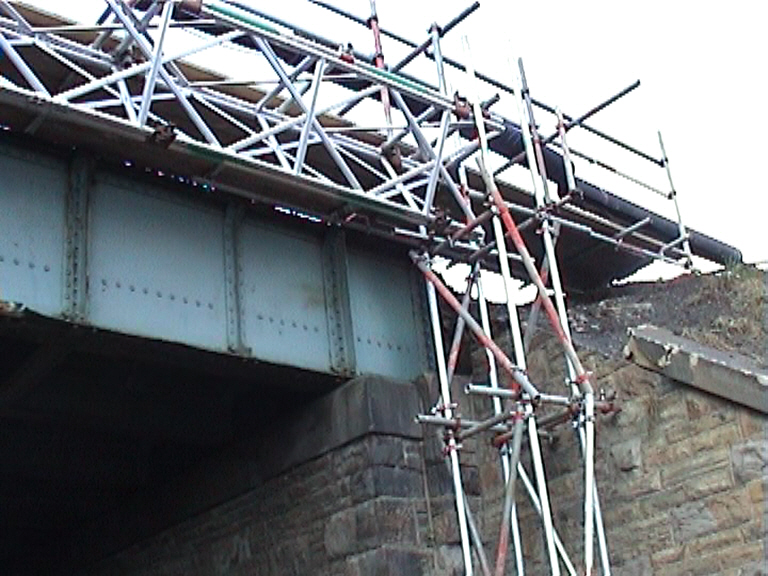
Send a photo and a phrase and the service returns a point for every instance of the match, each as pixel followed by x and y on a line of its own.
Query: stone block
pixel 359 487
pixel 365 405
pixel 368 526
pixel 413 455
pixel 632 485
pixel 385 521
pixel 449 561
pixel 698 486
pixel 661 502
pixel 703 412
pixel 489 476
pixel 627 456
pixel 562 457
pixel 702 407
pixel 748 554
pixel 633 420
pixel 389 561
pixel 666 556
pixel 717 541
pixel 657 535
pixel 756 490
pixel 668 409
pixel 439 479
pixel 753 424
pixel 755 529
pixel 470 477
pixel 750 460
pixel 698 468
pixel 699 566
pixel 444 521
pixel 731 508
pixel 352 458
pixel 637 566
pixel 660 452
pixel 402 482
pixel 561 488
pixel 340 533
pixel 691 520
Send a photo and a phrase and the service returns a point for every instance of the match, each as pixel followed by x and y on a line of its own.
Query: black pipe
pixel 460 18
pixel 104 16
pixel 493 82
pixel 419 49
pixel 361 21
pixel 574 122
pixel 442 31
pixel 594 198
pixel 316 38
pixel 580 120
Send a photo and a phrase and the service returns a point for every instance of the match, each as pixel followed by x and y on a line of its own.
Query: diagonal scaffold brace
pixel 586 430
pixel 556 318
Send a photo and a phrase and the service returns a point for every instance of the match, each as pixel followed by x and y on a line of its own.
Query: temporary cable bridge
pixel 419 176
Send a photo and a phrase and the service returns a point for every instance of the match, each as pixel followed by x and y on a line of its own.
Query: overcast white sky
pixel 703 72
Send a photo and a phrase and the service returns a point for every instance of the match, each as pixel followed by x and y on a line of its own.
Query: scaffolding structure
pixel 422 179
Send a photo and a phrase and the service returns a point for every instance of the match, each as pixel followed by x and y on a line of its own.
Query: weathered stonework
pixel 681 473
pixel 350 501
pixel 682 476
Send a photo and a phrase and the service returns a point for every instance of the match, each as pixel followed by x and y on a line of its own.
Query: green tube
pixel 240 16
pixel 396 79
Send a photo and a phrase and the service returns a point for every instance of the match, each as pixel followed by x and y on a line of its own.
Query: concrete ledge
pixel 728 375
pixel 365 405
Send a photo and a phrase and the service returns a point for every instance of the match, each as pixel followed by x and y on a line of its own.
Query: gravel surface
pixel 727 310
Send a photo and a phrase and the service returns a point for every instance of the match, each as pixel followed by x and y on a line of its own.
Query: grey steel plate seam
pixel 156 268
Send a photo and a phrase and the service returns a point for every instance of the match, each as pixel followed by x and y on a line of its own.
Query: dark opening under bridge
pixel 182 258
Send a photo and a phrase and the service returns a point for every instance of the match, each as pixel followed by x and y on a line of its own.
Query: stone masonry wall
pixel 682 477
pixel 348 499
pixel 347 512
pixel 682 480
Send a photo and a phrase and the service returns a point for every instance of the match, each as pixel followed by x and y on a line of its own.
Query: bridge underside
pixel 164 301
pixel 147 325
pixel 138 253
pixel 93 424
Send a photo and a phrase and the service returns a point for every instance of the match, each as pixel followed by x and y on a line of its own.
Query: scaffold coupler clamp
pixel 440 408
pixel 606 403
pixel 464 191
pixel 163 135
pixel 393 155
pixel 449 438
pixel 461 106
pixel 347 53
pixel 581 378
pixel 451 445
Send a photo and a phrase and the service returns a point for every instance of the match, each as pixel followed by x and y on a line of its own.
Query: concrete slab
pixel 728 375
